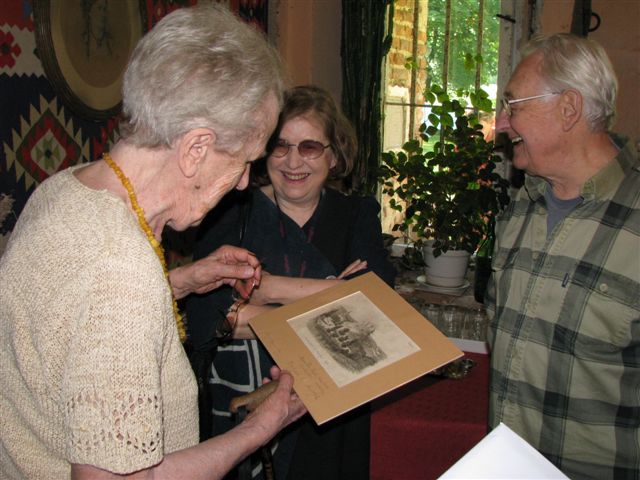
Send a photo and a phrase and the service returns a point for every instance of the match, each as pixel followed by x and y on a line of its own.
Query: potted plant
pixel 445 182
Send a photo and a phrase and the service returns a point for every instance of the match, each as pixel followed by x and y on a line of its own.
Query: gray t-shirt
pixel 558 208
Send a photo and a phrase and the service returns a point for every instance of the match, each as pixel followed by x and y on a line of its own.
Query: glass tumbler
pixel 451 321
pixel 476 324
pixel 432 313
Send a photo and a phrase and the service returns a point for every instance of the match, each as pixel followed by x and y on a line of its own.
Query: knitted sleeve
pixel 112 380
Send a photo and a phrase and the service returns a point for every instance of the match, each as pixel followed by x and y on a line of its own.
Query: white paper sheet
pixel 503 454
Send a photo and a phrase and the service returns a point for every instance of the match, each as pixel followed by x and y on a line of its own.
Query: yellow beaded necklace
pixel 157 247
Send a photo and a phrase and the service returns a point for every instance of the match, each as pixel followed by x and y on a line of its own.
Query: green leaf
pixel 432 130
pixel 411 63
pixel 446 120
pixel 411 145
pixel 469 63
pixel 486 105
pixel 437 89
pixel 443 97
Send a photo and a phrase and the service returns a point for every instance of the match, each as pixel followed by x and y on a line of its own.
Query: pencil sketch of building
pixel 350 338
pixel 347 340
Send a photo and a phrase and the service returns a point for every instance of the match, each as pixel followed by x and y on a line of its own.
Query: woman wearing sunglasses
pixel 308 237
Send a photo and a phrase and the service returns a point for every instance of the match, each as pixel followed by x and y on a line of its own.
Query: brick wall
pixel 396 121
pixel 402 45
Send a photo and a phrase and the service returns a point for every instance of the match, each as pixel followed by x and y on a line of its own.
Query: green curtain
pixel 366 39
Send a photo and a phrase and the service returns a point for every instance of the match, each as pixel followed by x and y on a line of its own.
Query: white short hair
pixel 582 64
pixel 199 67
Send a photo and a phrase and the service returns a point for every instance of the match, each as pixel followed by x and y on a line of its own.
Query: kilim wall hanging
pixel 44 125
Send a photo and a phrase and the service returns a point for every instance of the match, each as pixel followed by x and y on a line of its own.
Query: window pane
pixel 406 70
pixel 490 44
pixel 422 40
pixel 437 39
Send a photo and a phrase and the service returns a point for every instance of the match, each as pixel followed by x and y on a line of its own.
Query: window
pixel 443 42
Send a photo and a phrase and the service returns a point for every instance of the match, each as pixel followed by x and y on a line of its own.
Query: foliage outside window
pixel 452 43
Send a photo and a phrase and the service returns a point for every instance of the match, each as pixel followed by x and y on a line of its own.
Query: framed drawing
pixel 350 344
pixel 84 48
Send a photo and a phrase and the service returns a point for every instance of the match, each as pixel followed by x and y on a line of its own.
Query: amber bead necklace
pixel 157 247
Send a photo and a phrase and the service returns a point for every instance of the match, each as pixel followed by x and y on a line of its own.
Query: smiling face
pixel 295 179
pixel 537 122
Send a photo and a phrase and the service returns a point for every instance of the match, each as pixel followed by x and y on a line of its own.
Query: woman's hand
pixel 280 408
pixel 228 265
pixel 354 267
pixel 216 456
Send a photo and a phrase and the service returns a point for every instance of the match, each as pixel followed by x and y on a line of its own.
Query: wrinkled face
pixel 297 179
pixel 221 171
pixel 536 122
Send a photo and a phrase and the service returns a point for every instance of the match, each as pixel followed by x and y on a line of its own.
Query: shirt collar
pixel 603 184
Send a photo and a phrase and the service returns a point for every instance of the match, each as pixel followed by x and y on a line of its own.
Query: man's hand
pixel 227 265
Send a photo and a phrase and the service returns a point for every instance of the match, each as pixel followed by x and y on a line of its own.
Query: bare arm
pixel 280 290
pixel 215 457
pixel 225 265
pixel 276 289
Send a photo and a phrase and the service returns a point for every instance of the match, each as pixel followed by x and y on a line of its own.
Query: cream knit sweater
pixel 91 367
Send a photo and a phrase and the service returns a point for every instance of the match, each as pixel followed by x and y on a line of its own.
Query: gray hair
pixel 199 67
pixel 582 64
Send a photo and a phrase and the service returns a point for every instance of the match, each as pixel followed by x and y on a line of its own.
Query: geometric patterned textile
pixel 44 145
pixel 17 52
pixel 39 135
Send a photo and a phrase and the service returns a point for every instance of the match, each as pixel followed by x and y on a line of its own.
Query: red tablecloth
pixel 421 429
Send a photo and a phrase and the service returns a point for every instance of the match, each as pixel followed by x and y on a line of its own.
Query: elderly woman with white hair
pixel 95 381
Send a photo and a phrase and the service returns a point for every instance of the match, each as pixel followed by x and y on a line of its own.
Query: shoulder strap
pixel 244 207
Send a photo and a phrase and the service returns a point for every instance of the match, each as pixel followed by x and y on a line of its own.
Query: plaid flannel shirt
pixel 565 324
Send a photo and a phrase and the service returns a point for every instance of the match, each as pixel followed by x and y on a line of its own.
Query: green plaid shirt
pixel 565 329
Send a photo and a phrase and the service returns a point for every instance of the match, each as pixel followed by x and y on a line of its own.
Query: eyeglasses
pixel 309 149
pixel 506 104
pixel 225 329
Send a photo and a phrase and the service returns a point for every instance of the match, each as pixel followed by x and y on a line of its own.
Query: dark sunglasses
pixel 309 149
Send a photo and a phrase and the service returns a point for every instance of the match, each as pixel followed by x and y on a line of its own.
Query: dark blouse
pixel 341 230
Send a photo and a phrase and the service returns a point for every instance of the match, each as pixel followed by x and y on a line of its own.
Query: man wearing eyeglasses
pixel 564 297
